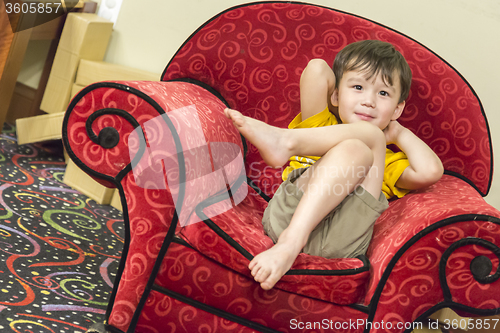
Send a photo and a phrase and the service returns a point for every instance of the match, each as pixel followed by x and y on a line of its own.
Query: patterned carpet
pixel 59 250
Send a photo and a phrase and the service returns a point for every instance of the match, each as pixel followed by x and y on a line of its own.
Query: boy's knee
pixel 316 68
pixel 317 64
pixel 373 136
pixel 357 150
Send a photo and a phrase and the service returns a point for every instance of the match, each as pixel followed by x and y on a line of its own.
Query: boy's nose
pixel 369 101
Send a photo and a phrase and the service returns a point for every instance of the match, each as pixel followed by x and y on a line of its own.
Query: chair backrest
pixel 253 56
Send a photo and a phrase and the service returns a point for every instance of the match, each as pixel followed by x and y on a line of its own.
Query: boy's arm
pixel 317 83
pixel 425 166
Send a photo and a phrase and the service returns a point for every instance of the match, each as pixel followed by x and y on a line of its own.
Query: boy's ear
pixel 399 110
pixel 335 97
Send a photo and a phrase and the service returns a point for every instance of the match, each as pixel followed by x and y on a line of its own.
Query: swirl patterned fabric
pixel 243 224
pixel 149 226
pixel 187 272
pixel 416 272
pixel 253 56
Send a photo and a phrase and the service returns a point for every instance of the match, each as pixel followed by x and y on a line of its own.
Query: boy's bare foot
pixel 269 266
pixel 270 141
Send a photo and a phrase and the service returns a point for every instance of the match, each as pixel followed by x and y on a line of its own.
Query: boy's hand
pixel 425 166
pixel 392 132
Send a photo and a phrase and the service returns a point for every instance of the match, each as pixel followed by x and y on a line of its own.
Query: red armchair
pixel 194 191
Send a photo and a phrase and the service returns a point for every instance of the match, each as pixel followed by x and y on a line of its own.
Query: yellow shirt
pixel 395 163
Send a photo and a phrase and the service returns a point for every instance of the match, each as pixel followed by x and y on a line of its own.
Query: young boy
pixel 327 206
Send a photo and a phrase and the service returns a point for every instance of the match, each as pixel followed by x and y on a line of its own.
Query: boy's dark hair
pixel 374 57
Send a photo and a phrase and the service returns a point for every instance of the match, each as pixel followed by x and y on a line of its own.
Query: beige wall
pixel 463 32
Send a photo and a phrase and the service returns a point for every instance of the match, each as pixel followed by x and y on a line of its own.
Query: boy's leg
pixel 317 83
pixel 359 145
pixel 322 193
pixel 276 145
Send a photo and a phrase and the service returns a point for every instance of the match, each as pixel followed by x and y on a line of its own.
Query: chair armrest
pixel 98 132
pixel 423 249
pixel 100 119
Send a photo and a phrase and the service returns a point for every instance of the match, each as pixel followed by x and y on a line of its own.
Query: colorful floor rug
pixel 59 250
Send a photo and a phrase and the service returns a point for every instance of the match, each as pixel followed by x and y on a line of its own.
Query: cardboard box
pixel 85 184
pixel 485 324
pixel 56 95
pixel 65 65
pixel 66 156
pixel 116 201
pixel 44 127
pixel 425 329
pixel 95 71
pixel 75 90
pixel 84 36
pixel 447 316
pixel 39 128
pixel 446 320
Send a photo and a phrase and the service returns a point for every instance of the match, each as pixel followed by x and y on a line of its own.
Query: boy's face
pixel 372 100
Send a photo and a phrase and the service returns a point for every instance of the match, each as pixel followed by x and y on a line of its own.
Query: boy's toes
pixel 268 284
pixel 235 116
pixel 229 112
pixel 272 280
pixel 255 270
pixel 262 275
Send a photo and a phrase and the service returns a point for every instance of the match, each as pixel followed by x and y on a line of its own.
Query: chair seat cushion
pixel 235 236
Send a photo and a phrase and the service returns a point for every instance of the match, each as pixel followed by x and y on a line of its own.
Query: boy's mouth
pixel 363 116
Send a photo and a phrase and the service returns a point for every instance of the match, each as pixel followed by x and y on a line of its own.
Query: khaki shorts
pixel 345 232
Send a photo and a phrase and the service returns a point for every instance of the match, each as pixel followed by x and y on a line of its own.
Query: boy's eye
pixel 358 87
pixel 384 93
